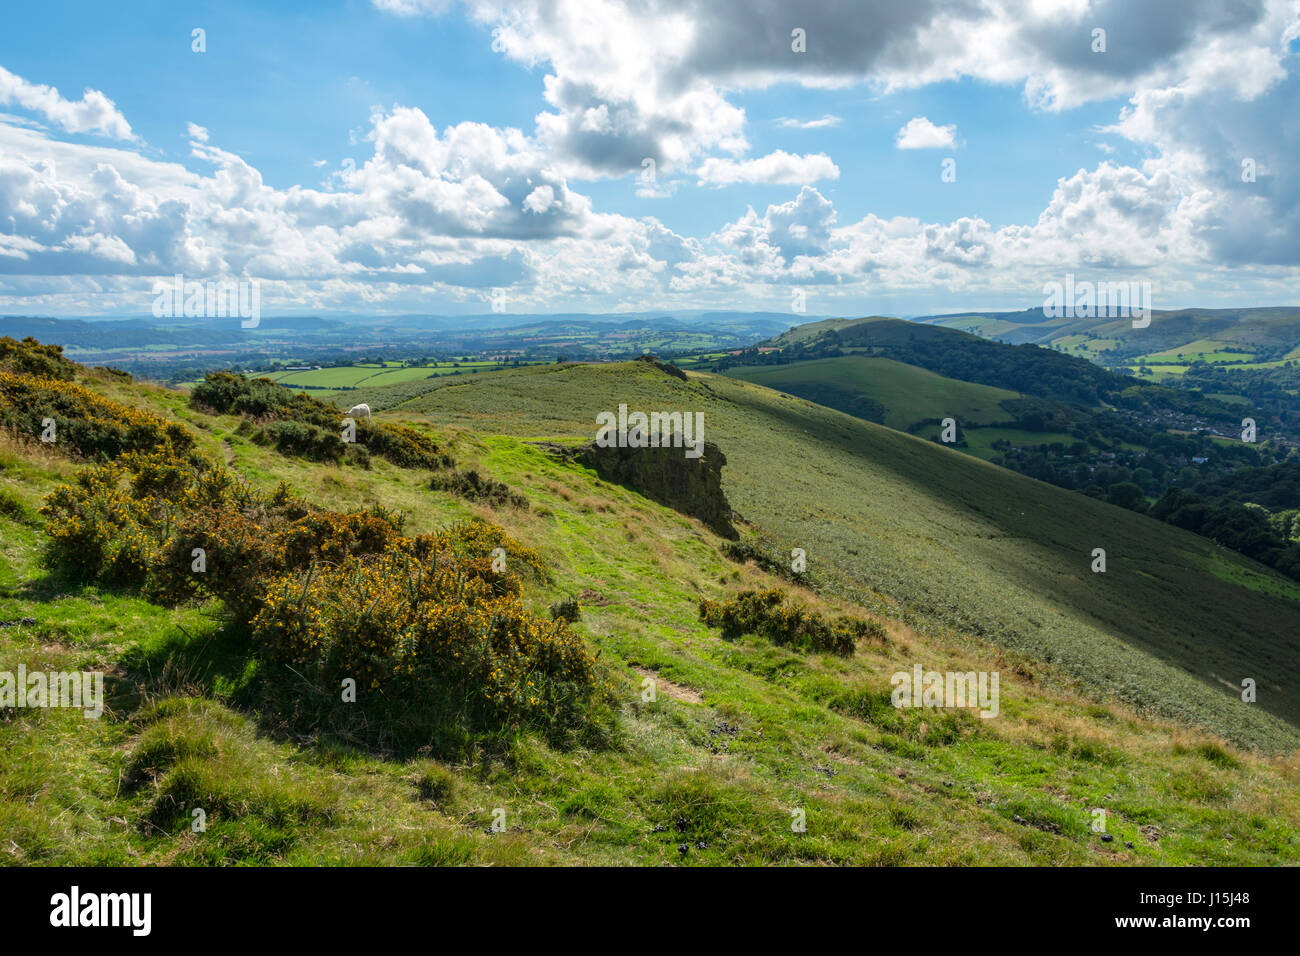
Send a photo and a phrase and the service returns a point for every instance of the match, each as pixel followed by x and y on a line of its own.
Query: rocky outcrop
pixel 692 486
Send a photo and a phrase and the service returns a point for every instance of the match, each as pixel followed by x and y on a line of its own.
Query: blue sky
pixel 323 64
pixel 425 155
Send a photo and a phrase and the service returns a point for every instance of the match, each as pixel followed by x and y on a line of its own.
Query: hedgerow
pixel 766 614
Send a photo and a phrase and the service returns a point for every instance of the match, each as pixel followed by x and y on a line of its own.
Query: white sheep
pixel 359 411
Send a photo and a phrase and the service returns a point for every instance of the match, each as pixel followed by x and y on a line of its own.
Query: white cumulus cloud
pixel 93 113
pixel 920 133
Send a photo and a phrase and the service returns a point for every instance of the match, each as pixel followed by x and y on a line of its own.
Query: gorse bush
pixel 144 523
pixel 766 614
pixel 301 439
pixel 246 539
pixel 475 540
pixel 132 523
pixel 404 626
pixel 402 445
pixel 86 424
pixel 30 357
pixel 98 530
pixel 431 627
pixel 260 398
pixel 296 424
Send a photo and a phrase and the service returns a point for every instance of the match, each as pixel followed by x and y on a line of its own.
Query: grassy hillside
pixel 742 733
pixel 987 551
pixel 907 394
pixel 1172 338
pixel 807 331
pixel 953 354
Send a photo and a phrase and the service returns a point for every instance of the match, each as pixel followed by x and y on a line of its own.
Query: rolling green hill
pixel 1119 691
pixel 948 352
pixel 1127 438
pixel 906 394
pixel 1174 337
pixel 975 546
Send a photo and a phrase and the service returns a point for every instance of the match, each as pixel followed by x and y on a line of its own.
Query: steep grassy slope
pixel 906 393
pixel 742 733
pixel 1174 625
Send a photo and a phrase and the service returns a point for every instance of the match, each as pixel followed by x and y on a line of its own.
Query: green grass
pixel 1216 335
pixel 949 538
pixel 356 376
pixel 909 394
pixel 979 441
pixel 1205 350
pixel 1085 346
pixel 742 732
pixel 1161 372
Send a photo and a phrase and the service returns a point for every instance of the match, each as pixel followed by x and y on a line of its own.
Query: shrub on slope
pixel 435 628
pixel 86 425
pixel 30 357
pixel 431 627
pixel 297 424
pixel 766 614
pixel 472 486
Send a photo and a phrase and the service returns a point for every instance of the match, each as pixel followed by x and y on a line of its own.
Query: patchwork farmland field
pixel 369 375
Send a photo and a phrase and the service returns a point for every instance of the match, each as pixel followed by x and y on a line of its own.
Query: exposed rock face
pixel 692 486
